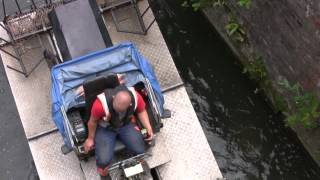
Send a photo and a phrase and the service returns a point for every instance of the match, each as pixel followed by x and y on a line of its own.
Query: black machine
pixel 78 125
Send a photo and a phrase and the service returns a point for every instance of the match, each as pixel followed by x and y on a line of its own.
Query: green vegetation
pixel 235 30
pixel 219 3
pixel 279 103
pixel 245 3
pixel 303 106
pixel 198 4
pixel 256 69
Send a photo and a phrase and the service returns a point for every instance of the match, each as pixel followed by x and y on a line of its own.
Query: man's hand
pixel 144 119
pixel 150 134
pixel 88 145
pixel 92 126
pixel 121 78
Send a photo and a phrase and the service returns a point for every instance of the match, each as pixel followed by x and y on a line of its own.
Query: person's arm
pixel 97 113
pixel 92 126
pixel 144 118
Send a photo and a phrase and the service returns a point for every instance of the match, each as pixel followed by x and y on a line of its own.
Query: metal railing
pixel 114 5
pixel 24 24
pixel 20 9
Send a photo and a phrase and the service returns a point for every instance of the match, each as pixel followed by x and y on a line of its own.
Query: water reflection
pixel 248 140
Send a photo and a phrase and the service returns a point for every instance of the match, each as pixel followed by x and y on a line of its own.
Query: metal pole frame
pixel 8 31
pixel 4 8
pixel 135 6
pixel 142 15
pixel 8 53
pixel 112 6
pixel 17 56
pixel 139 15
pixel 56 49
pixel 6 42
pixel 34 4
pixel 24 70
pixel 18 6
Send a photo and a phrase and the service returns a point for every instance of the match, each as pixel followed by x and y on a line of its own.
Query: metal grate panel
pixel 51 163
pixel 32 95
pixel 191 156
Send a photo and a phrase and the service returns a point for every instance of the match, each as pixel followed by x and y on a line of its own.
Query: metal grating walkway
pixel 182 147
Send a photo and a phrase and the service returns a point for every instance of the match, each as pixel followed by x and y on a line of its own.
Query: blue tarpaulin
pixel 67 77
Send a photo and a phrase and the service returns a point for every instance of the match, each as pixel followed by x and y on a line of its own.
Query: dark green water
pixel 248 140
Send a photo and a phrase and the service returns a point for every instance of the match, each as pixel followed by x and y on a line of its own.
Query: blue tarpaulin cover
pixel 67 77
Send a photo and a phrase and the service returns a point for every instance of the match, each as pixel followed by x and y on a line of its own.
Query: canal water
pixel 248 140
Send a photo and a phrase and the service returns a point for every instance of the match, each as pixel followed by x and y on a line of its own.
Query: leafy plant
pixel 185 4
pixel 219 3
pixel 235 30
pixel 279 102
pixel 305 106
pixel 245 3
pixel 198 4
pixel 256 69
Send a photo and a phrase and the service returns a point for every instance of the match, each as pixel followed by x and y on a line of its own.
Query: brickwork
pixel 286 33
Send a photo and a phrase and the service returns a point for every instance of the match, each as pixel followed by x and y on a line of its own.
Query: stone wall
pixel 286 33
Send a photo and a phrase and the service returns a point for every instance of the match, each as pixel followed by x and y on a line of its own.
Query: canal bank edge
pixel 219 17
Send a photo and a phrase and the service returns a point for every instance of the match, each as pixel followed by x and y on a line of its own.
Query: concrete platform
pixel 182 148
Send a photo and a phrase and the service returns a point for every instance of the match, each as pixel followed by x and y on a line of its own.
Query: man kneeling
pixel 111 116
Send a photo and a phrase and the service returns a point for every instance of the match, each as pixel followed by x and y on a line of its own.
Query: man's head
pixel 121 101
